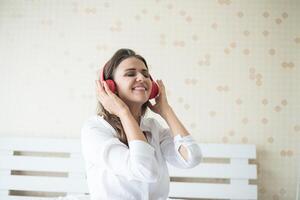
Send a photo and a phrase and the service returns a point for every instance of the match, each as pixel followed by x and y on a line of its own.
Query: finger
pixel 109 92
pixel 162 86
pixel 158 84
pixel 100 89
pixel 98 84
pixel 161 83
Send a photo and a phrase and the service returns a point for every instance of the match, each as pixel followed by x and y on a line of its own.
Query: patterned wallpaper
pixel 231 69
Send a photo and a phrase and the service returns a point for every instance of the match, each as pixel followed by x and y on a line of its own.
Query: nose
pixel 140 77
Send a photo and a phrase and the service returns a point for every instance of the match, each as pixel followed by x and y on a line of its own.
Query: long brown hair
pixel 108 73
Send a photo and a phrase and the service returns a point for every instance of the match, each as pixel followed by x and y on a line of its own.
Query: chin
pixel 138 100
pixel 141 101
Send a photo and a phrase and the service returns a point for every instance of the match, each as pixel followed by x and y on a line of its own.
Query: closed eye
pixel 146 74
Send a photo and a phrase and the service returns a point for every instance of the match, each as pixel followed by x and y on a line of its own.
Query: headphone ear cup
pixel 111 84
pixel 154 91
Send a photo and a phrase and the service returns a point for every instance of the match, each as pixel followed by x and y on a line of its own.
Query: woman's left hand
pixel 161 105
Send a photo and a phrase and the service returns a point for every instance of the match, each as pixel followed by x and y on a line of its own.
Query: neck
pixel 136 112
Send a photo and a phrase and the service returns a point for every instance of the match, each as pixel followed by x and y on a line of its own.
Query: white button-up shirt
pixel 138 172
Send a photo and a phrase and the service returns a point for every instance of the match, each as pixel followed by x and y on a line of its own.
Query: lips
pixel 140 87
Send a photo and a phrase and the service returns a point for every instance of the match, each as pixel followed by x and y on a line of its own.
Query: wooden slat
pixel 209 170
pixel 12 197
pixel 4 172
pixel 44 184
pixel 215 191
pixel 31 163
pixel 40 144
pixel 73 145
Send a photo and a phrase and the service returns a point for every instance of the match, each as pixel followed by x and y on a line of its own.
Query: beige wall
pixel 231 69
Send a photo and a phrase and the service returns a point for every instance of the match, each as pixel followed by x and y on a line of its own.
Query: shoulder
pixel 97 124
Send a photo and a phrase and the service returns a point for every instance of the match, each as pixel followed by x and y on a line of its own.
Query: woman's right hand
pixel 111 102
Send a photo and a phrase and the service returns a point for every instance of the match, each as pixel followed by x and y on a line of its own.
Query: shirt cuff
pixel 194 152
pixel 138 147
pixel 186 140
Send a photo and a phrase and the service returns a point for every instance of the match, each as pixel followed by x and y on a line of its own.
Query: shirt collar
pixel 143 124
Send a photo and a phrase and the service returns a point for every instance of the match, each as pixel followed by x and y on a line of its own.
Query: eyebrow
pixel 145 70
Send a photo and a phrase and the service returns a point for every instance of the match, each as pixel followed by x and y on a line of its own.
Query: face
pixel 133 81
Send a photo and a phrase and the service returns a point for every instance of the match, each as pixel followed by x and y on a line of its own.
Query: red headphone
pixel 112 85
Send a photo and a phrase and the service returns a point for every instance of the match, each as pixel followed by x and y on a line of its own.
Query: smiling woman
pixel 125 153
pixel 132 74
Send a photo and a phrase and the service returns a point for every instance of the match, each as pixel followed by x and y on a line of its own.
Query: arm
pixel 176 128
pixel 131 127
pixel 163 108
pixel 136 137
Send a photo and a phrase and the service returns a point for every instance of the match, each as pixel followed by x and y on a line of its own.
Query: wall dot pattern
pixel 231 70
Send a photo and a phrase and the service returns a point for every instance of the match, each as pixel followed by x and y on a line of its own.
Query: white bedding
pixel 72 197
pixel 80 197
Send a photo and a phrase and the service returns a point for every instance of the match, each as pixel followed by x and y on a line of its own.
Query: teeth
pixel 139 88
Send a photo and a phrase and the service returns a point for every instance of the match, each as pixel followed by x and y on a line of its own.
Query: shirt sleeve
pixel 170 149
pixel 100 147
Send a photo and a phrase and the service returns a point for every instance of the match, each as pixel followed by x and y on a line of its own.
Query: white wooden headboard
pixel 54 167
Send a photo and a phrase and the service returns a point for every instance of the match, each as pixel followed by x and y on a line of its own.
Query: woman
pixel 125 153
